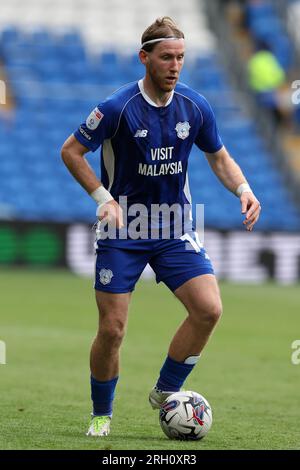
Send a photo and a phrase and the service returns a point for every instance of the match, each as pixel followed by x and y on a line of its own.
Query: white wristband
pixel 243 188
pixel 101 196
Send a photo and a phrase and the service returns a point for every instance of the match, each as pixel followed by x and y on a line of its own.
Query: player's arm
pixel 230 174
pixel 72 153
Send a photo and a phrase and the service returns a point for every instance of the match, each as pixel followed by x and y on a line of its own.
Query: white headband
pixel 158 40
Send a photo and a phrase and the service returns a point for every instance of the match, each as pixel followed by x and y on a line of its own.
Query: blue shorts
pixel 175 261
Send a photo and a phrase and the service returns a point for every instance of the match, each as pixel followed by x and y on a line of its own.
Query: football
pixel 185 415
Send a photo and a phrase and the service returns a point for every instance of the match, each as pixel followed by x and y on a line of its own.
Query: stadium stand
pixel 248 26
pixel 60 65
pixel 293 17
pixel 271 31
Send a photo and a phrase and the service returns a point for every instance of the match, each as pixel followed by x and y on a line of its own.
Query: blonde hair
pixel 163 27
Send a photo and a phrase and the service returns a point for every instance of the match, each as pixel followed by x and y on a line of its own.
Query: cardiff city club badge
pixel 94 119
pixel 105 276
pixel 183 130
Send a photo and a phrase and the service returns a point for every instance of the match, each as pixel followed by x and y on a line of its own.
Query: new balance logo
pixel 141 133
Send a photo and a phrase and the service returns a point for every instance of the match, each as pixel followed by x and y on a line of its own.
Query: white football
pixel 185 415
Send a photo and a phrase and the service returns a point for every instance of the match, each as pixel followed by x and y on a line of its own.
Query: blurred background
pixel 59 58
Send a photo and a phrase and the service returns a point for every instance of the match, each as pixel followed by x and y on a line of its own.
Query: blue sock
pixel 102 396
pixel 173 373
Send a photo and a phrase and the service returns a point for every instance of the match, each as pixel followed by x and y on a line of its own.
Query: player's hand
pixel 111 213
pixel 251 208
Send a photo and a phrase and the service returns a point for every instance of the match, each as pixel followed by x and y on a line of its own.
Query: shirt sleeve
pixel 208 138
pixel 101 124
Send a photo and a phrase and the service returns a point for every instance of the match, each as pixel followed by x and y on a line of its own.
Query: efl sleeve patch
pixel 94 119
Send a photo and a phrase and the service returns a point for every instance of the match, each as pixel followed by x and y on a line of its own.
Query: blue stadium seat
pixel 56 85
pixel 271 32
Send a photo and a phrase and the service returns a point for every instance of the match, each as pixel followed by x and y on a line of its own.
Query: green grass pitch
pixel 48 320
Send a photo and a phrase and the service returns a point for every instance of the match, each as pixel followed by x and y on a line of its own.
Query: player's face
pixel 164 64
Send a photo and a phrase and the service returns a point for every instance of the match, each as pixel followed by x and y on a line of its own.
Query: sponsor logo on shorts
pixel 105 276
pixel 94 119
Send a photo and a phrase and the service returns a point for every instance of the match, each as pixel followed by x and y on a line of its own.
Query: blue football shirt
pixel 144 147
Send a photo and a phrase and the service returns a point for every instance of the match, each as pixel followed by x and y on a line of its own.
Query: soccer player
pixel 146 130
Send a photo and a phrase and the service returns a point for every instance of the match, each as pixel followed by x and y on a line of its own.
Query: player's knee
pixel 112 333
pixel 214 312
pixel 209 313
